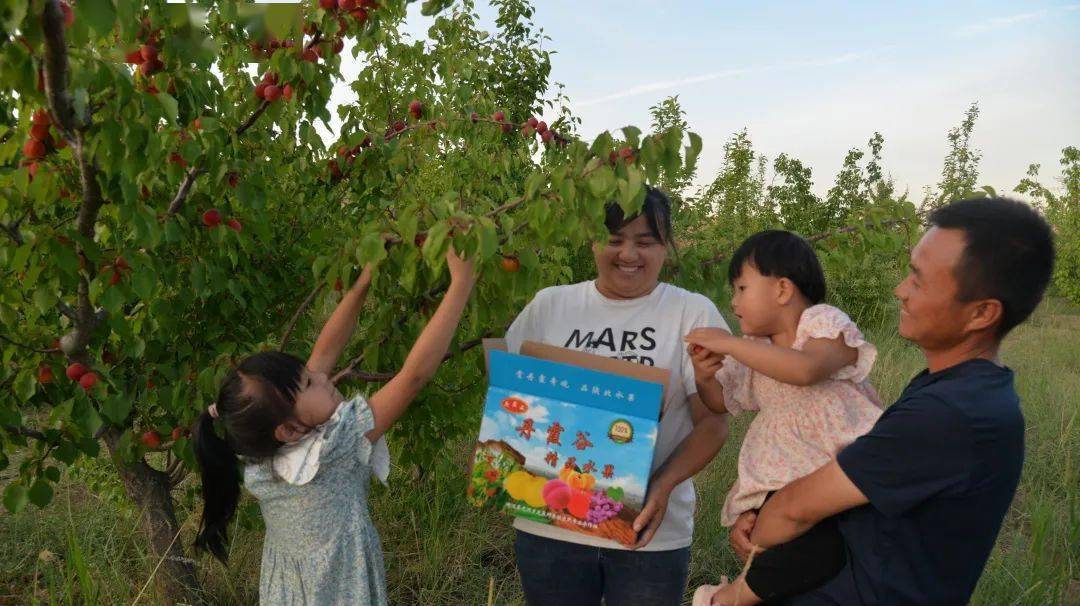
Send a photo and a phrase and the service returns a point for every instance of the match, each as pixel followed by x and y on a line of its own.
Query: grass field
pixel 85 547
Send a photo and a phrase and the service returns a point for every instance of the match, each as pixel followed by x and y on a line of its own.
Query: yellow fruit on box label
pixel 517 484
pixel 534 493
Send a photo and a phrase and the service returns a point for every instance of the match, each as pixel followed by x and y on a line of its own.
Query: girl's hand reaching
pixel 365 277
pixel 716 340
pixel 461 271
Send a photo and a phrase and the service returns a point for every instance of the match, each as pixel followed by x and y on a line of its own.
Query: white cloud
pixel 741 71
pixel 994 23
pixel 651 436
pixel 632 486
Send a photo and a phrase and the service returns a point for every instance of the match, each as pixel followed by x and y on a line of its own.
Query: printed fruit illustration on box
pixel 565 446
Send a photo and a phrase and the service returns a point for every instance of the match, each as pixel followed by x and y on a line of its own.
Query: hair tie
pixel 213 411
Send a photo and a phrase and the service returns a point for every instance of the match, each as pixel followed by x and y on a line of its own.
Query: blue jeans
pixel 558 573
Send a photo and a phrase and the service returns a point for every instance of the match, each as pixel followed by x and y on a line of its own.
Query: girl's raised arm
pixel 339 328
pixel 390 402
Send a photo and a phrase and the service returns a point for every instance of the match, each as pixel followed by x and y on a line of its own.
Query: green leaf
pixel 631 189
pixel 692 151
pixel 116 408
pixel 11 14
pixel 407 225
pixel 237 291
pixel 372 249
pixel 489 238
pixel 532 184
pixel 319 265
pixel 100 15
pixel 433 246
pixel 65 452
pixel 44 299
pixel 601 182
pixel 568 192
pixel 15 497
pixel 41 493
pixel 25 385
pixel 87 419
pixel 112 299
pixel 143 283
pixel 169 103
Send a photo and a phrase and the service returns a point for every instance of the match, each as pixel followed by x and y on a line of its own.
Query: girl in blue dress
pixel 307 454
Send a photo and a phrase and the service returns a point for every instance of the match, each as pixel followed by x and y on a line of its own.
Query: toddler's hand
pixel 740 533
pixel 712 339
pixel 706 363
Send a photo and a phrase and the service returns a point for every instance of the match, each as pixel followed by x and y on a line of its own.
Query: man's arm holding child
pixel 798 506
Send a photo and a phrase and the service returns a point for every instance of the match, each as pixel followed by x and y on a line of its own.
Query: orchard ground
pixel 86 547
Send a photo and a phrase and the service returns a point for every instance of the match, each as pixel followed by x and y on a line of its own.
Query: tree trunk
pixel 151 492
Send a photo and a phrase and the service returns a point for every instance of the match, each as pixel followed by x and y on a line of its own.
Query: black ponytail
pixel 220 486
pixel 255 397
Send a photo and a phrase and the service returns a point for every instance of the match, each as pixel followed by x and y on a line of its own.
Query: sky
pixel 815 79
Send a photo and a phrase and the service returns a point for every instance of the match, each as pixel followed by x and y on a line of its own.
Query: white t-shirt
pixel 648 330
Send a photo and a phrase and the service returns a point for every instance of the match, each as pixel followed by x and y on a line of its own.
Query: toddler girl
pixel 803 366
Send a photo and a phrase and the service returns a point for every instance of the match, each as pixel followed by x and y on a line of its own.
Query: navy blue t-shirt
pixel 940 468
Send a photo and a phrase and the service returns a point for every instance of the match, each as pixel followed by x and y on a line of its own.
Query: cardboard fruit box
pixel 567 439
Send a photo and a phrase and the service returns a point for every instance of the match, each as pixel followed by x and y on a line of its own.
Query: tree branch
pixel 13 232
pixel 25 432
pixel 379 377
pixel 72 128
pixel 189 180
pixel 253 117
pixel 296 316
pixel 185 189
pixel 56 71
pixel 27 347
pixel 66 310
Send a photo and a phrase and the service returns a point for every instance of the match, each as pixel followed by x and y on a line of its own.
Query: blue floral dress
pixel 321 546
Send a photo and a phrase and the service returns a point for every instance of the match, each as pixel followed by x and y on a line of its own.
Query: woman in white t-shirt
pixel 627 313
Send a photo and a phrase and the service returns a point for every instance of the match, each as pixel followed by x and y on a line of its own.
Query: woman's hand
pixel 461 271
pixel 652 514
pixel 715 340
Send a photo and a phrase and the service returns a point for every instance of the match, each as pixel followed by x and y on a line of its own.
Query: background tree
pixel 165 214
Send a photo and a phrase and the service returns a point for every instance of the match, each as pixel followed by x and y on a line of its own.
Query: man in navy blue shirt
pixel 920 498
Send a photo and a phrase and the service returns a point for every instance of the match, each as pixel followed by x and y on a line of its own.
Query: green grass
pixel 85 547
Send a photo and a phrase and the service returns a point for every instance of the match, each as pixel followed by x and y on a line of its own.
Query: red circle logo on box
pixel 515 405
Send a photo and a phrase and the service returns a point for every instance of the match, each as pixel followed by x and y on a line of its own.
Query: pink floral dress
pixel 797 429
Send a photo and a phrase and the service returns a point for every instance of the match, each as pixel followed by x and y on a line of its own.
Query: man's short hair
pixel 1009 254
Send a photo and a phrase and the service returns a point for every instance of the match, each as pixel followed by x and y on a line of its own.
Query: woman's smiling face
pixel 629 265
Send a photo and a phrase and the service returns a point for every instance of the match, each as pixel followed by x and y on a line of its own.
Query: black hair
pixel 1008 256
pixel 781 254
pixel 255 397
pixel 657 211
